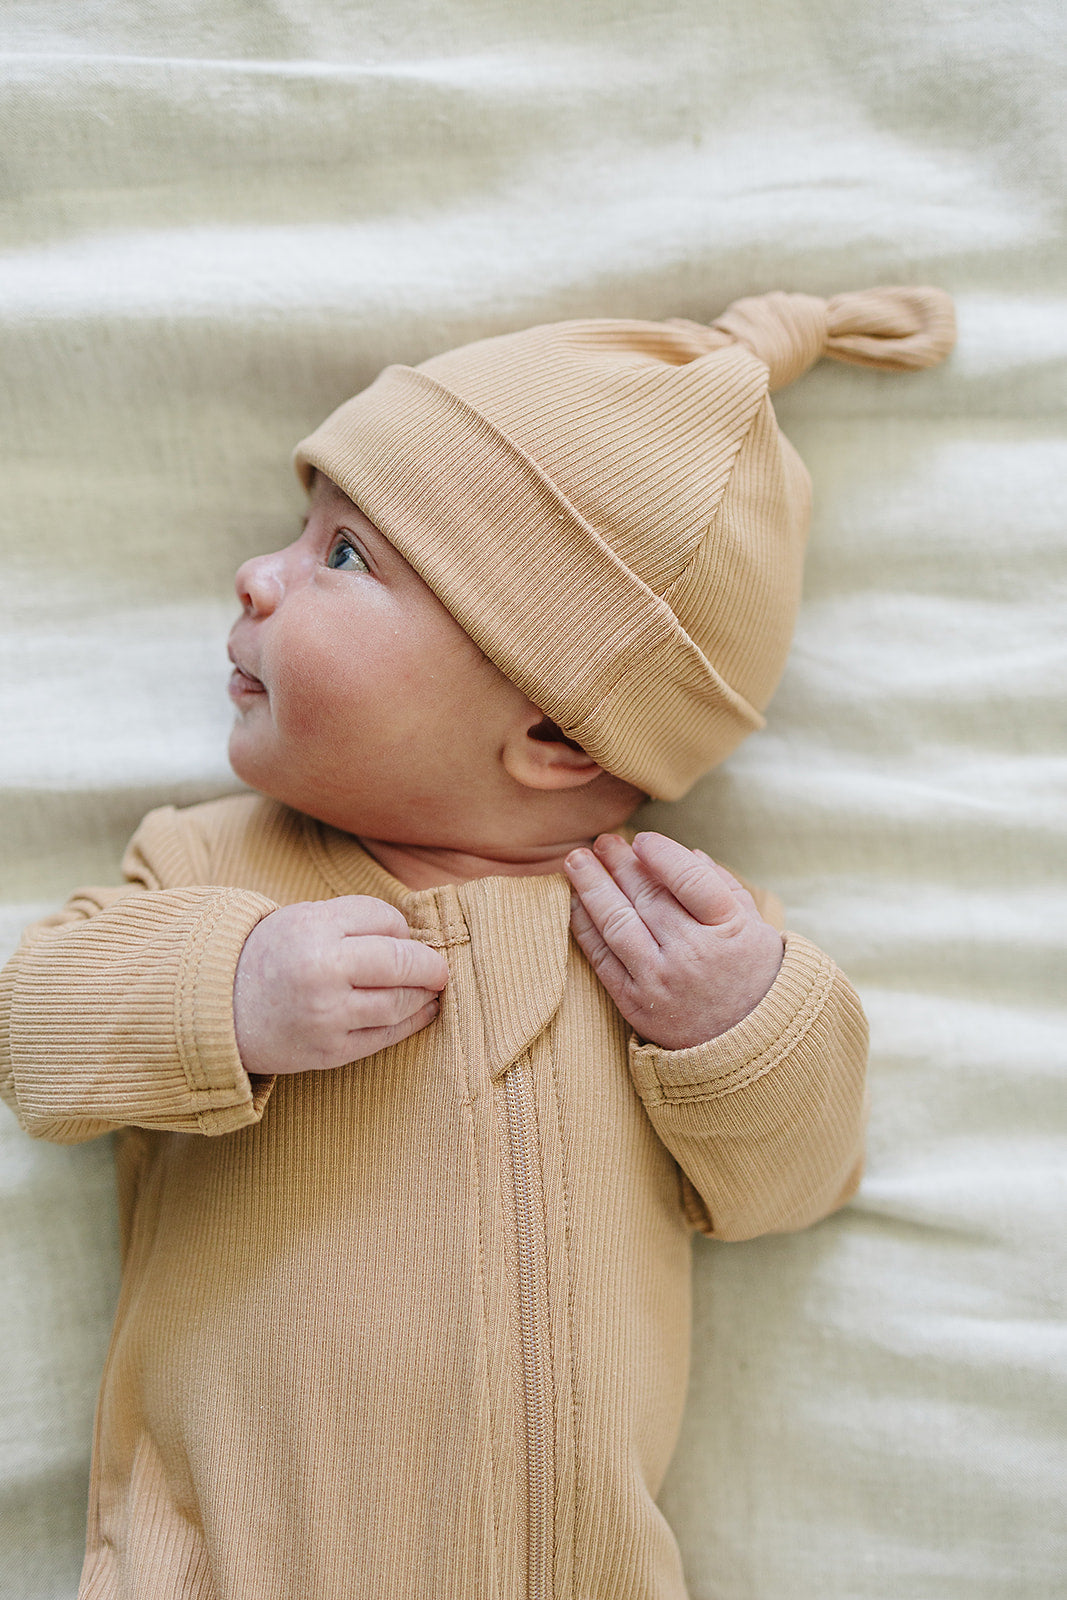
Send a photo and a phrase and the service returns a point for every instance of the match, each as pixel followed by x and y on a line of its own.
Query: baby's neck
pixel 425 866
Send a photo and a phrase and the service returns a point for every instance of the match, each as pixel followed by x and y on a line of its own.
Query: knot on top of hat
pixel 900 330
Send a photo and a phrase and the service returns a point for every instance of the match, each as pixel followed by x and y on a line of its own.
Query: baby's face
pixel 360 700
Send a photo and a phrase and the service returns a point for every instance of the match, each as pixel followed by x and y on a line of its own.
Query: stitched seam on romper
pixel 484 1295
pixel 207 922
pixel 449 937
pixel 484 1198
pixel 759 1066
pixel 189 1066
pixel 194 1076
pixel 568 1254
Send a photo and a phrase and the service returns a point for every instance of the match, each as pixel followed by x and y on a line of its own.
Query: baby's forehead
pixel 322 491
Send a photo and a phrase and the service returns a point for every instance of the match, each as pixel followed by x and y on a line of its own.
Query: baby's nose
pixel 259 584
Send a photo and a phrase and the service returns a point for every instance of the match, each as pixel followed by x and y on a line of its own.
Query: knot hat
pixel 610 511
pixel 899 330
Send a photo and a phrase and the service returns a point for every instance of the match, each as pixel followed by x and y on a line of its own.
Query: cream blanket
pixel 220 220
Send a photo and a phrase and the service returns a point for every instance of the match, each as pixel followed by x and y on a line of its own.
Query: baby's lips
pixel 241 666
pixel 241 680
pixel 242 685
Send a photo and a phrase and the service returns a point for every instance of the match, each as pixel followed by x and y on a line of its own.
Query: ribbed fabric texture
pixel 418 1327
pixel 158 974
pixel 611 512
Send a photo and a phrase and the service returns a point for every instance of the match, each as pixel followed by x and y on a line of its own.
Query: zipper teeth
pixel 538 1459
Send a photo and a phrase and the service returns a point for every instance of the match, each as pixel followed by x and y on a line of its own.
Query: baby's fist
pixel 325 982
pixel 674 938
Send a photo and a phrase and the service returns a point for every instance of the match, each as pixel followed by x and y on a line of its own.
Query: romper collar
pixel 518 929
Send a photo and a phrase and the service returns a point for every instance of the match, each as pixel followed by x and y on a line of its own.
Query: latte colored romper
pixel 418 1328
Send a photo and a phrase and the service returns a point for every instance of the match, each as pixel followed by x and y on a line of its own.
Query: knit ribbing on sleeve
pixel 766 1121
pixel 126 1017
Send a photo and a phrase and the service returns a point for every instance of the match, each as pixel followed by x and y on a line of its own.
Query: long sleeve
pixel 118 1009
pixel 767 1121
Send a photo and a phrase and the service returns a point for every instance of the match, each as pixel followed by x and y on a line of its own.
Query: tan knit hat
pixel 609 509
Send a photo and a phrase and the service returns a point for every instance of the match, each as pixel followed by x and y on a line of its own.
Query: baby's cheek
pixel 299 718
pixel 329 723
pixel 305 698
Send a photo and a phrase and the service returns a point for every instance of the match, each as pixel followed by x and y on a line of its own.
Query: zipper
pixel 536 1358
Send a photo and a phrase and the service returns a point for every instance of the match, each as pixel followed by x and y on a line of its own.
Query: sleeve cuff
pixel 752 1047
pixel 224 1097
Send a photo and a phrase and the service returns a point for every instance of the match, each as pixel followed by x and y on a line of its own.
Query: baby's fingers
pixel 696 882
pixel 354 915
pixel 609 911
pixel 608 968
pixel 372 961
pixel 383 1008
pixel 365 1042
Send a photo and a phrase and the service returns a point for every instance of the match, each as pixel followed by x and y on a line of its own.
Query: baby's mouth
pixel 242 682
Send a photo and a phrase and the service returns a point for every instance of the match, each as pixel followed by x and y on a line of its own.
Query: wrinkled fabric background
pixel 221 219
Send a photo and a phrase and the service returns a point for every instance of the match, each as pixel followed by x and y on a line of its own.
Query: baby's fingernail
pixel 576 860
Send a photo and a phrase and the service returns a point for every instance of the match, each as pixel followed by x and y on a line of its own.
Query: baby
pixel 408 1174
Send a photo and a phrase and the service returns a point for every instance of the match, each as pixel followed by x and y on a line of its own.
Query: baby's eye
pixel 344 557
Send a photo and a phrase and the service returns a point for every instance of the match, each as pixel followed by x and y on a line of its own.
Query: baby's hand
pixel 673 937
pixel 325 982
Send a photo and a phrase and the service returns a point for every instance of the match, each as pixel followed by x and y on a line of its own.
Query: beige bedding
pixel 218 221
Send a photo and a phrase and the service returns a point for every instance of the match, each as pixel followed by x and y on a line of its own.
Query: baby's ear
pixel 539 755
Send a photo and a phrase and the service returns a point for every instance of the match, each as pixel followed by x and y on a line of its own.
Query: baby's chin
pixel 258 772
pixel 239 758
